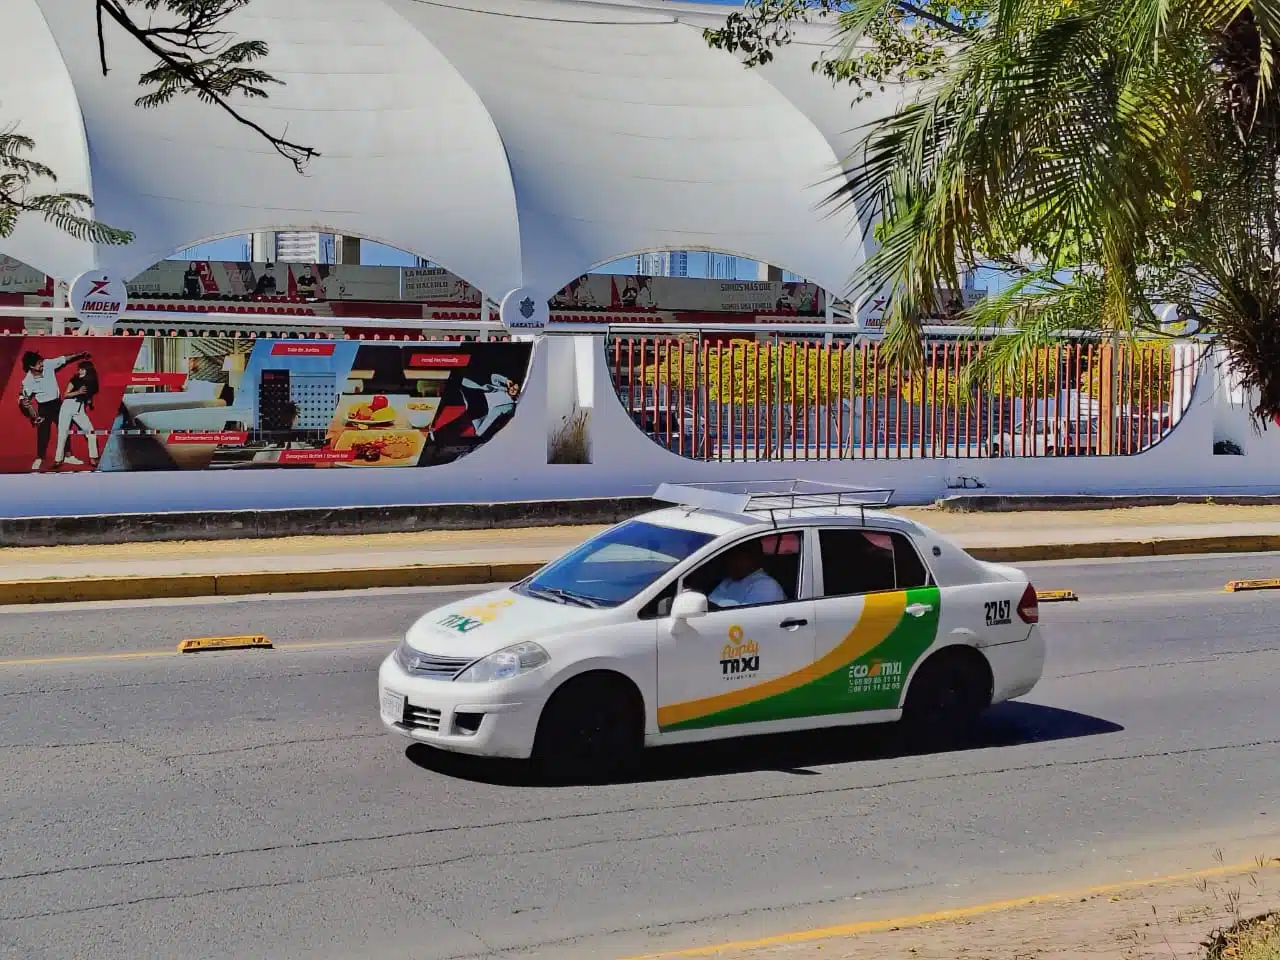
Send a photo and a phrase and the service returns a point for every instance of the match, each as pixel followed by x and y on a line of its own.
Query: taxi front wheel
pixel 593 726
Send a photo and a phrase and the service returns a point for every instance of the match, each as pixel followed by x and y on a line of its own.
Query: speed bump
pixel 1237 585
pixel 1056 596
pixel 223 643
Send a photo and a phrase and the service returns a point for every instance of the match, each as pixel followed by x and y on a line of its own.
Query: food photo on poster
pixel 407 405
pixel 218 403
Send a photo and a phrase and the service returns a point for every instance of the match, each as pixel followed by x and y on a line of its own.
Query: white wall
pixel 513 466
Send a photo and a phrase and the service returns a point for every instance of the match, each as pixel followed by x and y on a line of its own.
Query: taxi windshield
pixel 614 566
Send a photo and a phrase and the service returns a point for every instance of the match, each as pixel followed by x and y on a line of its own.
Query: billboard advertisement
pixel 214 279
pixel 17 277
pixel 623 292
pixel 216 403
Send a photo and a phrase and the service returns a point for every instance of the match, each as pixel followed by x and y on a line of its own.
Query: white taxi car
pixel 741 609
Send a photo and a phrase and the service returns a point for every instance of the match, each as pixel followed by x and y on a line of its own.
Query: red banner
pixel 316 456
pixel 221 438
pixel 302 349
pixel 426 361
pixel 60 396
pixel 166 381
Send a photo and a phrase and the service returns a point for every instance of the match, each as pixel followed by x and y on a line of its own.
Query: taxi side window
pixel 779 557
pixel 868 561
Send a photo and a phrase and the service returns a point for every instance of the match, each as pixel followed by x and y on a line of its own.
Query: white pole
pixel 61 299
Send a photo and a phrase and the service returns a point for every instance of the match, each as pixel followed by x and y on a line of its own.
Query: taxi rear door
pixel 878 611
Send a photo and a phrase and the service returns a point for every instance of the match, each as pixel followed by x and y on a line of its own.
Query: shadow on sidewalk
pixel 1004 725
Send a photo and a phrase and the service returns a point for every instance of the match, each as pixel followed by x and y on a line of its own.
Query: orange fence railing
pixel 789 400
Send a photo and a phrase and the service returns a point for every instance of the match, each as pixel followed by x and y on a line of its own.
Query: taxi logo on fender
pixel 739 657
pixel 472 618
pixel 875 676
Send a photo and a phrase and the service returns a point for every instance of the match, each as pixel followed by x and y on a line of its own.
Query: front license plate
pixel 392 707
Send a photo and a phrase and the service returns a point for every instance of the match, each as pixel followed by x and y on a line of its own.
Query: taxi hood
pixel 479 625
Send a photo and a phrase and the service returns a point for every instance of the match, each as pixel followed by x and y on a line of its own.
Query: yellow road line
pixel 958 913
pixel 155 654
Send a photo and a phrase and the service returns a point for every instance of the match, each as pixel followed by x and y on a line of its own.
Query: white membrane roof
pixel 516 142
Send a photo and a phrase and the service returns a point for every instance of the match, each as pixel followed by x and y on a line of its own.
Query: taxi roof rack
pixel 770 496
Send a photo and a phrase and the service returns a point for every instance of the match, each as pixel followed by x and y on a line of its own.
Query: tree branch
pixel 912 10
pixel 102 40
pixel 296 153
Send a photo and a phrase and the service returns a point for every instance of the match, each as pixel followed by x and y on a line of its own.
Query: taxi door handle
pixel 792 623
pixel 919 609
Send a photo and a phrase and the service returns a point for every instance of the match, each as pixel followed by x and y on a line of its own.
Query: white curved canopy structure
pixel 516 142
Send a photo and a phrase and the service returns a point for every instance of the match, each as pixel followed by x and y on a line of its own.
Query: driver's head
pixel 744 559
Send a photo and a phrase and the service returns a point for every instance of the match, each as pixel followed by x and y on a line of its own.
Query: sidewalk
pixel 1140 922
pixel 1096 531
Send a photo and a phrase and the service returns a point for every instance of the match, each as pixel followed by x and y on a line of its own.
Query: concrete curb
pixel 472 574
pixel 242 584
pixel 1012 503
pixel 1111 549
pixel 412 518
pixel 315 521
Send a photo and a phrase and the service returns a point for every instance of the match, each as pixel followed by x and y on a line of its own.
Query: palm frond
pixel 21 182
pixel 1036 310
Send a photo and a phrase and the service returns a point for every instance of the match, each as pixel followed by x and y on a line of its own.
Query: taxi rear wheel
pixel 593 726
pixel 946 697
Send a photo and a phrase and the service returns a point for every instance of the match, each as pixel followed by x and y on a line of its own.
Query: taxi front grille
pixel 421 718
pixel 435 667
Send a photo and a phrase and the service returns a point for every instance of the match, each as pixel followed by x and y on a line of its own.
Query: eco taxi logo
pixel 739 657
pixel 876 676
pixel 472 618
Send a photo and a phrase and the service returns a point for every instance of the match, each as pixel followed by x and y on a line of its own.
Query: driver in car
pixel 746 581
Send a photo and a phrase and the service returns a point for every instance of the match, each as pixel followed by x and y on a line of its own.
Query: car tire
pixel 592 728
pixel 946 698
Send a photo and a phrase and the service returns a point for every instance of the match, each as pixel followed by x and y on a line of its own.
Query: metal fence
pixel 788 400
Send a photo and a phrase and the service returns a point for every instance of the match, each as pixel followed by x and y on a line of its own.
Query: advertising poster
pixel 621 292
pixel 215 279
pixel 214 403
pixel 17 277
pixel 59 399
pixel 436 285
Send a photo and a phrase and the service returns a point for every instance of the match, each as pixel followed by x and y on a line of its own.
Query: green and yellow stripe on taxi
pixel 885 640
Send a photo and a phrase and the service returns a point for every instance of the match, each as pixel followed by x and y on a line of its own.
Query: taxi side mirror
pixel 688 605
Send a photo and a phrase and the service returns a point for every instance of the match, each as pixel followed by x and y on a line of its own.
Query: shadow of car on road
pixel 1004 725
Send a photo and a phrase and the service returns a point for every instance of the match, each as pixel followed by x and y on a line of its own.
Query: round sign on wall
pixel 98 299
pixel 523 311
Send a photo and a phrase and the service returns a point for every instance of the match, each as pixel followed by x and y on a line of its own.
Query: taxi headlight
pixel 406 657
pixel 505 664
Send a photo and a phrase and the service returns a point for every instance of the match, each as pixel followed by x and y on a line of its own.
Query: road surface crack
pixel 508 825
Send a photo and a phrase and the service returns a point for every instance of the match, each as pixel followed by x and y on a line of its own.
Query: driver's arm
pixel 720 596
pixel 765 590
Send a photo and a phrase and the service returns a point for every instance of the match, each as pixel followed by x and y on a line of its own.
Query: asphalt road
pixel 248 804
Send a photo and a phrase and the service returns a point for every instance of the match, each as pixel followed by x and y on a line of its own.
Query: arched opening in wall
pixel 347 275
pixel 708 311
pixel 734 385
